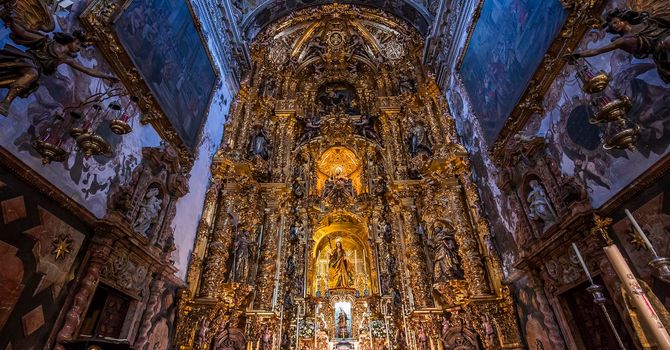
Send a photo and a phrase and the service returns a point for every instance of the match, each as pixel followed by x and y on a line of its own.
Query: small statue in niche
pixel 379 185
pixel 203 332
pixel 266 338
pixel 242 249
pixel 269 87
pixel 342 325
pixel 405 83
pixel 539 208
pixel 445 328
pixel 447 262
pixel 391 265
pixel 21 70
pixel 294 232
pixel 297 189
pixel 259 144
pixel 640 35
pixel 286 341
pixel 419 140
pixel 388 233
pixel 311 129
pixel 365 128
pixel 489 332
pixel 148 212
pixel 423 339
pixel 290 266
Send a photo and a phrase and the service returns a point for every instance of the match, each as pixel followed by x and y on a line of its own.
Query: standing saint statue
pixel 419 140
pixel 340 275
pixel 259 144
pixel 447 263
pixel 148 212
pixel 242 252
pixel 538 205
pixel 342 326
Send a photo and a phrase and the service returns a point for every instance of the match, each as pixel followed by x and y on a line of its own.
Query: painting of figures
pixel 161 39
pixel 506 47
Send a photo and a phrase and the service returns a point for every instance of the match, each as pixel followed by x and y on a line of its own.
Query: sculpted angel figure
pixel 20 70
pixel 641 35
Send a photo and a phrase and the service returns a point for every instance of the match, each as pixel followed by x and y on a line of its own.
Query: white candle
pixel 640 232
pixel 581 262
pixel 646 312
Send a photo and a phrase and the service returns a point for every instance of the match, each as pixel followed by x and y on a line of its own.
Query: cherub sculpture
pixel 641 33
pixel 30 22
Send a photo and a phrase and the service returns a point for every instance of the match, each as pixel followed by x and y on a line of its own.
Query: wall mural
pixel 506 47
pixel 571 138
pixel 162 41
pixel 567 128
pixel 87 181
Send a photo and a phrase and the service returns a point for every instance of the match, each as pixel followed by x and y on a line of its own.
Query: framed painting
pixel 507 45
pixel 156 48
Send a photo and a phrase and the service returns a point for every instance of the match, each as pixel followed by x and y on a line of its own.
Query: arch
pixel 271 11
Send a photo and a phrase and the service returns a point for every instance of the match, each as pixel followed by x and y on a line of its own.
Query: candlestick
pixel 600 299
pixel 640 232
pixel 581 262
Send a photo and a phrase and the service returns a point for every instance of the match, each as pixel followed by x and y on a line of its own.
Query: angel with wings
pixel 30 22
pixel 641 33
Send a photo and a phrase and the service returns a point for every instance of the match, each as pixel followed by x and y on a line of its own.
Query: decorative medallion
pixel 336 39
pixel 61 247
pixel 394 50
pixel 278 54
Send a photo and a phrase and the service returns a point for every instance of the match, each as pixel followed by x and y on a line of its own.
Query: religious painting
pixel 161 39
pixel 506 47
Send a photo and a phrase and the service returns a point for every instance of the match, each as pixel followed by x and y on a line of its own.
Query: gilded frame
pixel 98 19
pixel 582 15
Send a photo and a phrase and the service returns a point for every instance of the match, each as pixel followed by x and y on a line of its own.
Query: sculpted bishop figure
pixel 340 274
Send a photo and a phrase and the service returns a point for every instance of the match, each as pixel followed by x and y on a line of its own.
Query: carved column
pixel 100 252
pixel 202 235
pixel 155 291
pixel 416 260
pixel 218 253
pixel 537 285
pixel 267 263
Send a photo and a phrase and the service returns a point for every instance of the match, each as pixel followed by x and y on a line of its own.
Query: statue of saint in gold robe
pixel 340 276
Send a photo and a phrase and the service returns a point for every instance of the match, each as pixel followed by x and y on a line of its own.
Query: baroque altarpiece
pixel 342 212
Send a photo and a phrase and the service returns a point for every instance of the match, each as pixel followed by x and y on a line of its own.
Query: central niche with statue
pixel 341 213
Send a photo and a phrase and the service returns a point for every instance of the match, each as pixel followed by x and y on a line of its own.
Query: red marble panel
pixel 13 209
pixel 33 320
pixel 11 276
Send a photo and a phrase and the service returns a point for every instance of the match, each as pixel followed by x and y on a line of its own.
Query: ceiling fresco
pixel 253 15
